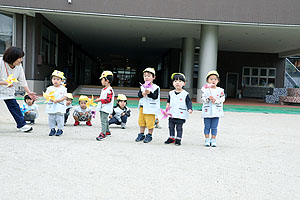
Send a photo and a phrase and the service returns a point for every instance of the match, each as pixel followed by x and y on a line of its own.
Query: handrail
pixel 293 65
pixel 292 73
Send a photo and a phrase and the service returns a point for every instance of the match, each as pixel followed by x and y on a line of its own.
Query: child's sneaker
pixel 26 128
pixel 148 138
pixel 170 140
pixel 213 142
pixel 59 132
pixel 100 137
pixel 76 123
pixel 140 137
pixel 88 123
pixel 31 122
pixel 52 132
pixel 123 125
pixel 207 142
pixel 178 142
pixel 108 134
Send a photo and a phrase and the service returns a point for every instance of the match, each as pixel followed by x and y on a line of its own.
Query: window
pixel 6 31
pixel 49 46
pixel 258 77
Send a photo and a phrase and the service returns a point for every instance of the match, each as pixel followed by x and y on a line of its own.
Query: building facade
pixel 246 41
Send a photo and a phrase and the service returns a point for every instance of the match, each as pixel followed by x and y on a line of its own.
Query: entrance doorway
pixel 232 84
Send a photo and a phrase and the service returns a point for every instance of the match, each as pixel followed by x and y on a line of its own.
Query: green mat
pixel 230 108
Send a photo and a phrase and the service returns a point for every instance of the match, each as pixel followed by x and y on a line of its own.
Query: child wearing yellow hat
pixel 68 106
pixel 56 105
pixel 83 112
pixel 105 103
pixel 120 112
pixel 212 107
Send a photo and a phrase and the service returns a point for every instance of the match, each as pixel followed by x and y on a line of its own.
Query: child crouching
pixel 30 109
pixel 82 112
pixel 120 112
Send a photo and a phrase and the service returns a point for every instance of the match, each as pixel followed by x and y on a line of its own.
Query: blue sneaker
pixel 148 138
pixel 59 132
pixel 140 137
pixel 213 142
pixel 207 142
pixel 52 132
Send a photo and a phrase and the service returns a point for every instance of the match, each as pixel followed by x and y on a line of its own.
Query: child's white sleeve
pixel 222 97
pixel 204 97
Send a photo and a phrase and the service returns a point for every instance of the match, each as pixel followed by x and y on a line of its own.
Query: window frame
pixel 13 38
pixel 258 76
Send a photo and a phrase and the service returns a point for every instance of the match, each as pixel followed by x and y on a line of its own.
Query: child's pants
pixel 15 111
pixel 104 122
pixel 114 120
pixel 30 116
pixel 211 124
pixel 178 123
pixel 56 119
pixel 67 114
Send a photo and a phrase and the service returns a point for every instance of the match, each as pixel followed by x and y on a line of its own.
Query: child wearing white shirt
pixel 30 109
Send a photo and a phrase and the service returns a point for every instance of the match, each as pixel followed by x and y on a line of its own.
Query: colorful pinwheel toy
pixel 165 113
pixel 49 96
pixel 10 80
pixel 23 110
pixel 93 114
pixel 147 85
pixel 91 102
pixel 206 86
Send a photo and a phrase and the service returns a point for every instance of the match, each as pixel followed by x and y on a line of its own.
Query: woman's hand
pixel 32 95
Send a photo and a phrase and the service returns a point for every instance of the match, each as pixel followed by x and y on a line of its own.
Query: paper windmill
pixel 10 80
pixel 49 96
pixel 147 85
pixel 23 110
pixel 166 113
pixel 206 86
pixel 91 102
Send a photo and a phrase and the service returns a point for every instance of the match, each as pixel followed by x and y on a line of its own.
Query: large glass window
pixel 259 77
pixel 49 46
pixel 6 31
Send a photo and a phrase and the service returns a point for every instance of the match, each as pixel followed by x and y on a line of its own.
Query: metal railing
pixel 292 75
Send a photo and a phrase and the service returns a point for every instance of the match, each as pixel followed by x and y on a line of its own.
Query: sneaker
pixel 100 137
pixel 76 123
pixel 207 142
pixel 26 128
pixel 123 125
pixel 148 138
pixel 52 132
pixel 32 122
pixel 178 142
pixel 213 142
pixel 140 137
pixel 108 134
pixel 59 132
pixel 170 140
pixel 88 123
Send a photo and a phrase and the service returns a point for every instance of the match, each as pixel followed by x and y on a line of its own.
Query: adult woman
pixel 11 63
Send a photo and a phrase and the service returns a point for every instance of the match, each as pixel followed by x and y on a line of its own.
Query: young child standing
pixel 68 106
pixel 83 112
pixel 180 105
pixel 212 108
pixel 31 109
pixel 105 103
pixel 149 105
pixel 56 107
pixel 120 112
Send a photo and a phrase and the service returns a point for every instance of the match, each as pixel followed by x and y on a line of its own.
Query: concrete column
pixel 207 55
pixel 188 52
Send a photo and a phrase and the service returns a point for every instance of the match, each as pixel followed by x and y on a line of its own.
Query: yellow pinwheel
pixel 91 102
pixel 10 80
pixel 49 96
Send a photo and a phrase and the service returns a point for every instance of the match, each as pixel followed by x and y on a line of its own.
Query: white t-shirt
pixel 33 107
pixel 59 92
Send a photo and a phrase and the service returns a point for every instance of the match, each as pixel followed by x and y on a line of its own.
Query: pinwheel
pixel 23 110
pixel 166 113
pixel 10 80
pixel 208 86
pixel 147 85
pixel 93 114
pixel 91 102
pixel 49 96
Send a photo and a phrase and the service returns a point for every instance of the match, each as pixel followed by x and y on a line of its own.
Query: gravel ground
pixel 257 157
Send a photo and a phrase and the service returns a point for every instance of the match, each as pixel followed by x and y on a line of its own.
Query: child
pixel 106 103
pixel 31 109
pixel 180 105
pixel 68 106
pixel 212 108
pixel 83 112
pixel 149 105
pixel 120 112
pixel 56 107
